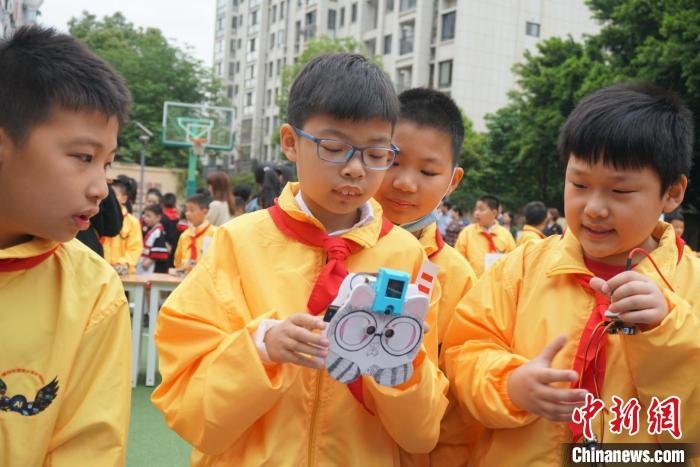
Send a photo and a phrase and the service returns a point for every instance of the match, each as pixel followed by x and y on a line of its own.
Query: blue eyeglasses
pixel 340 152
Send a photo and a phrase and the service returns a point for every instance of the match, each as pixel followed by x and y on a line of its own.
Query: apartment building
pixel 16 13
pixel 465 48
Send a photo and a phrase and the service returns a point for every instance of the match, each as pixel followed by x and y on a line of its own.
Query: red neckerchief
pixel 193 245
pixel 171 213
pixel 18 264
pixel 439 242
pixel 592 370
pixel 489 238
pixel 337 250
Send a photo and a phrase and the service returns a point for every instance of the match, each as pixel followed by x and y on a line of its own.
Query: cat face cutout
pixel 381 345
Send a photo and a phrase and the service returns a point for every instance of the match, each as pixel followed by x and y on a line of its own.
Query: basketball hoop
pixel 198 145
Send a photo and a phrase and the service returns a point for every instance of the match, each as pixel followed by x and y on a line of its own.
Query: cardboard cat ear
pixel 417 307
pixel 362 295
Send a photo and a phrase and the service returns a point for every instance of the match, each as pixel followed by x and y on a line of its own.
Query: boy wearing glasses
pixel 241 354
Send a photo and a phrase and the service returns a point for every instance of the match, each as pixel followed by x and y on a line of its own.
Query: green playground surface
pixel 151 442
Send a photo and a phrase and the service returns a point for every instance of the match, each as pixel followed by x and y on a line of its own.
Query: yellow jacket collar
pixel 568 257
pixel 199 228
pixel 365 236
pixel 529 228
pixel 427 239
pixel 34 247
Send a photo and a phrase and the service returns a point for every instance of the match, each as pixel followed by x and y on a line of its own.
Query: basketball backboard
pixel 183 123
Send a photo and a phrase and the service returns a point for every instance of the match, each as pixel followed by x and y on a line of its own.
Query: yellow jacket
pixel 218 395
pixel 63 323
pixel 528 299
pixel 529 233
pixel 474 246
pixel 456 277
pixel 182 252
pixel 126 247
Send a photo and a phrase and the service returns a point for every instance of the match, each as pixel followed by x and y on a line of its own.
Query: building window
pixel 331 19
pixel 279 66
pixel 269 71
pixel 389 6
pixel 405 5
pixel 310 29
pixel 248 98
pixel 448 26
pixel 353 13
pixel 250 72
pixel 532 29
pixel 406 43
pixel 281 10
pixel 234 23
pixel 272 41
pixel 280 37
pixel 342 17
pixel 370 47
pixel 229 92
pixel 231 70
pixel 404 78
pixel 251 45
pixel 274 13
pixel 253 17
pixel 445 74
pixel 387 44
pixel 238 67
pixel 269 99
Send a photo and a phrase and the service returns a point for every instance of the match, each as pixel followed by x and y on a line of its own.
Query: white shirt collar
pixel 366 215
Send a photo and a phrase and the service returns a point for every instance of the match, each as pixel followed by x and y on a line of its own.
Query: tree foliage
pixel 155 71
pixel 650 40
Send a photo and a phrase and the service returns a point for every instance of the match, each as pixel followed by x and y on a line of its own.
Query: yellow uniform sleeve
pixel 476 350
pixel 94 421
pixel 215 386
pixel 461 243
pixel 179 252
pixel 510 241
pixel 665 359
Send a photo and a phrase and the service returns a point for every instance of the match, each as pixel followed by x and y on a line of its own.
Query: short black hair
pixel 535 213
pixel 434 109
pixel 120 187
pixel 491 201
pixel 43 70
pixel 154 208
pixel 200 200
pixel 169 200
pixel 241 191
pixel 676 215
pixel 631 126
pixel 155 191
pixel 345 86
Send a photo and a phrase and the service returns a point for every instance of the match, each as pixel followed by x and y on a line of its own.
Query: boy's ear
pixel 674 194
pixel 288 140
pixel 456 178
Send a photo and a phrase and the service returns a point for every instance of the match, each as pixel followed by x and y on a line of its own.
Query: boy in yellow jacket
pixel 535 218
pixel 429 135
pixel 242 362
pixel 124 250
pixel 530 342
pixel 485 240
pixel 64 321
pixel 194 241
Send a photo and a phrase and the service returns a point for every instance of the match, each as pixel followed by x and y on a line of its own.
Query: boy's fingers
pixel 550 375
pixel 307 321
pixel 599 285
pixel 557 412
pixel 552 349
pixel 301 348
pixel 648 316
pixel 567 396
pixel 633 303
pixel 625 277
pixel 629 289
pixel 303 335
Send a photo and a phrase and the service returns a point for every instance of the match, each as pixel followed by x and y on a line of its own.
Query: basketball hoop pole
pixel 197 149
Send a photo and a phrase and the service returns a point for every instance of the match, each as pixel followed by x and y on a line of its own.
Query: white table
pixel 135 286
pixel 159 283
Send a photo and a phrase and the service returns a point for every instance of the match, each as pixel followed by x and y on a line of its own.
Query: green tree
pixel 155 71
pixel 312 49
pixel 650 40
